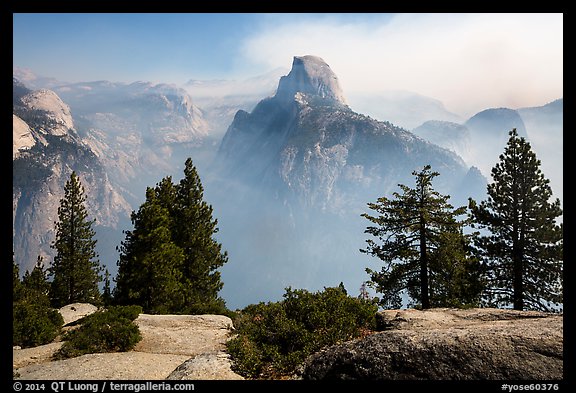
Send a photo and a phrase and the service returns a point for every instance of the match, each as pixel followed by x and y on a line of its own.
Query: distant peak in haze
pixel 310 75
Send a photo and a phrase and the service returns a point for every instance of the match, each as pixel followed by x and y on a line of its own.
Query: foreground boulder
pixel 189 335
pixel 213 365
pixel 76 311
pixel 448 344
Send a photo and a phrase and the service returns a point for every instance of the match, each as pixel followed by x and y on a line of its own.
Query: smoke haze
pixel 468 61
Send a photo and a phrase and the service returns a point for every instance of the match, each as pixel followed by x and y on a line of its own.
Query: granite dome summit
pixel 310 75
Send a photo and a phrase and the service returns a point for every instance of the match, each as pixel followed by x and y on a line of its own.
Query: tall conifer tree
pixel 523 252
pixel 76 268
pixel 194 233
pixel 423 247
pixel 149 268
pixel 169 262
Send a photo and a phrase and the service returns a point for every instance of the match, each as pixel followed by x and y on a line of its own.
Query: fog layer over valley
pixel 287 160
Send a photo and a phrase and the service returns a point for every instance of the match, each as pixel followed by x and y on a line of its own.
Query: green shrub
pixel 34 324
pixel 274 338
pixel 111 330
pixel 208 306
pixel 126 312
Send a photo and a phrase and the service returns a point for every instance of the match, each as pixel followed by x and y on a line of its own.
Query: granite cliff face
pixel 448 344
pixel 22 138
pixel 46 149
pixel 57 116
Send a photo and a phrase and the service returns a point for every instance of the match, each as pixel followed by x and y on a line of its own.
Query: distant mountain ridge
pixel 453 136
pixel 403 108
pixel 545 128
pixel 482 138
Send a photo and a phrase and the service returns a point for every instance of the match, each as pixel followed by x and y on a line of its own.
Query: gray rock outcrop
pixel 447 344
pixel 75 311
pixel 189 335
pixel 22 138
pixel 213 365
pixel 172 346
pixel 102 366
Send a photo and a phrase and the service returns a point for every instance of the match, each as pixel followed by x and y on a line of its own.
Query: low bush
pixel 110 330
pixel 34 324
pixel 209 306
pixel 274 338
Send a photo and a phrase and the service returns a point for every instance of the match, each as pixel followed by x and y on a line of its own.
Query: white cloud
pixel 468 61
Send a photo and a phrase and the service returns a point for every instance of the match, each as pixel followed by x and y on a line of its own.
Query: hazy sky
pixel 468 61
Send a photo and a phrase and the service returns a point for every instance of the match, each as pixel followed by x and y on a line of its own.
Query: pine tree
pixel 107 291
pixel 75 269
pixel 423 247
pixel 456 273
pixel 17 290
pixel 194 232
pixel 36 285
pixel 168 262
pixel 149 268
pixel 523 252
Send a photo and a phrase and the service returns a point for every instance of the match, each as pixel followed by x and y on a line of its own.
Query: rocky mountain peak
pixel 54 108
pixel 310 75
pixel 497 122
